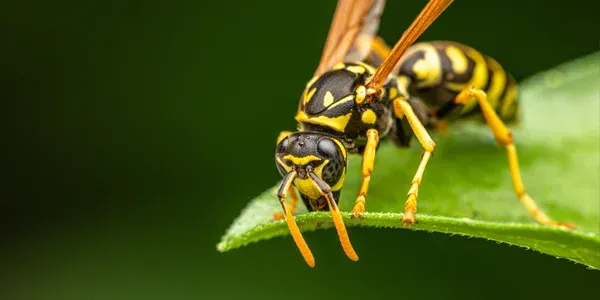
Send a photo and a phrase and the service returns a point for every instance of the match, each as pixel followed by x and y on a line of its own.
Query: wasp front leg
pixel 292 205
pixel 402 109
pixel 338 222
pixel 367 168
pixel 291 190
pixel 504 137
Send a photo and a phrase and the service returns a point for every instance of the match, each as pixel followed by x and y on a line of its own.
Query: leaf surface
pixel 467 189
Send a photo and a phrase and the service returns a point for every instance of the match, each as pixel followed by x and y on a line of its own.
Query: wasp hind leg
pixel 504 137
pixel 367 168
pixel 403 110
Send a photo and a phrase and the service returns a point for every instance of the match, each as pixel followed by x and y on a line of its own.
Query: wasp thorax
pixel 339 86
pixel 307 152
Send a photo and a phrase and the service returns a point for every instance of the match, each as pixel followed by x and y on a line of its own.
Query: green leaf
pixel 467 188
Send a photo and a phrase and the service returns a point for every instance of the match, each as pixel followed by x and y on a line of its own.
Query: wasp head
pixel 311 152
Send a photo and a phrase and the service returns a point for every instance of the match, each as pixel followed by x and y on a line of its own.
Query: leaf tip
pixel 221 247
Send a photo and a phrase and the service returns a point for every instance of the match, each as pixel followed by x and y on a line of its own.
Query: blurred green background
pixel 134 132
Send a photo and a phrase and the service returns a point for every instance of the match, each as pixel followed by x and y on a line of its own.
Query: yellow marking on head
pixel 283 135
pixel 307 188
pixel 319 169
pixel 283 165
pixel 328 99
pixel 458 59
pixel 369 117
pixel 309 95
pixel 361 93
pixel 509 99
pixel 301 160
pixel 338 185
pixel 342 148
pixel 336 123
pixel 338 66
pixel 356 69
pixel 429 68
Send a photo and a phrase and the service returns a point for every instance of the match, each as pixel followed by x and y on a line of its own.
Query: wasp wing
pixel 430 13
pixel 355 24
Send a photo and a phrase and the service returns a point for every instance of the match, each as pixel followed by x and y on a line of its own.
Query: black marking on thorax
pixel 338 84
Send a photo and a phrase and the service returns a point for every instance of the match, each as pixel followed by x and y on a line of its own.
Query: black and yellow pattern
pixel 438 71
pixel 337 103
pixel 358 98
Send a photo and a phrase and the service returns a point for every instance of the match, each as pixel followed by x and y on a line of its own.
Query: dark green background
pixel 134 132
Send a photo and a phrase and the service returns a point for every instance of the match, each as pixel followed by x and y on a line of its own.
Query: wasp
pixel 364 92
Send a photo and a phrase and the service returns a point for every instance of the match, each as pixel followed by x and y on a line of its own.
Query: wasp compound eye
pixel 283 145
pixel 327 148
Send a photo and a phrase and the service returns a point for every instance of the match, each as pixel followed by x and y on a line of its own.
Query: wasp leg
pixel 367 169
pixel 291 190
pixel 335 213
pixel 504 137
pixel 403 109
pixel 289 219
pixel 293 203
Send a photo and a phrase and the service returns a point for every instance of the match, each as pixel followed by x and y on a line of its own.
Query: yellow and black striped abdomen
pixel 437 71
pixel 501 89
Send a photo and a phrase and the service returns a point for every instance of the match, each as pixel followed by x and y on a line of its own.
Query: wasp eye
pixel 327 147
pixel 283 145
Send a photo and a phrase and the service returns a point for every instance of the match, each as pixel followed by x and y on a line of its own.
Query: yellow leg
pixel 504 137
pixel 402 109
pixel 289 219
pixel 292 206
pixel 367 169
pixel 335 213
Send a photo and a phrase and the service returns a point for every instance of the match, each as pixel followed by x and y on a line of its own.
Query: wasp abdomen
pixel 437 71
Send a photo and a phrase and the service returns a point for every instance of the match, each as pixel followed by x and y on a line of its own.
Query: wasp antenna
pixel 337 217
pixel 430 13
pixel 289 219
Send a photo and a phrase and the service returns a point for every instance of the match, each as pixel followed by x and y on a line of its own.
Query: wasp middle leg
pixel 367 168
pixel 504 137
pixel 403 109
